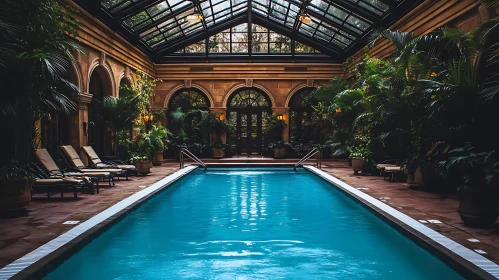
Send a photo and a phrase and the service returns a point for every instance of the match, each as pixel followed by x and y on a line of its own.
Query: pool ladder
pixel 185 152
pixel 315 152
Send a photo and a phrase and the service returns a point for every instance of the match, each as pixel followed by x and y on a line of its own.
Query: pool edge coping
pixel 42 260
pixel 474 263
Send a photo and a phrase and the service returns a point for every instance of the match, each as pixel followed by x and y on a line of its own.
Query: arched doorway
pixel 100 85
pixel 300 114
pixel 246 109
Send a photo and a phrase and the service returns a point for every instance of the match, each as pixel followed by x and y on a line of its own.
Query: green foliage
pixel 219 127
pixel 36 47
pixel 279 145
pixel 272 132
pixel 477 169
pixel 149 142
pixel 327 93
pixel 143 90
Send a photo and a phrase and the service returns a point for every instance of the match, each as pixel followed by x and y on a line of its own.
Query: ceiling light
pixel 305 18
pixel 195 17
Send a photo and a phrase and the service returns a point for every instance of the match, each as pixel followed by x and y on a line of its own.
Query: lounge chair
pixel 74 160
pixel 58 185
pixel 54 172
pixel 98 163
pixel 384 164
pixel 392 171
pixel 51 186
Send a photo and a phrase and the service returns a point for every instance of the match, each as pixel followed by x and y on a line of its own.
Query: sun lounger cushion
pixel 385 165
pixel 92 171
pixel 393 169
pixel 94 158
pixel 47 161
pixel 92 155
pixel 73 155
pixel 48 181
pixel 120 166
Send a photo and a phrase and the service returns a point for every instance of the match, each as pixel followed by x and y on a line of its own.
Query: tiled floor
pixel 44 218
pixel 423 205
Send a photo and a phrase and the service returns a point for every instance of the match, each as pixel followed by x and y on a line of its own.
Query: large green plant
pixel 35 58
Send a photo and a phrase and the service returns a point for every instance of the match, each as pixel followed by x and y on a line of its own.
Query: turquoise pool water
pixel 252 224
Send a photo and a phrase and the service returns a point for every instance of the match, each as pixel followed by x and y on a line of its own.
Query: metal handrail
pixel 188 153
pixel 315 151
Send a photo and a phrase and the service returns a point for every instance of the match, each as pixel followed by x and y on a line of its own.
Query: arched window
pixel 189 99
pixel 300 112
pixel 249 98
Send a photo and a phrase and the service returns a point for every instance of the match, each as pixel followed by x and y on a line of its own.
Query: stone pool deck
pixel 43 219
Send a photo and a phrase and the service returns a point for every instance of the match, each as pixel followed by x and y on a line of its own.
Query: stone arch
pixel 243 85
pixel 75 76
pixel 105 73
pixel 179 87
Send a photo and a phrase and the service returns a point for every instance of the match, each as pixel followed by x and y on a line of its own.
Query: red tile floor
pixel 43 218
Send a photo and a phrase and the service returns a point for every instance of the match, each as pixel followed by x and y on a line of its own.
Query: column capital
pixel 83 98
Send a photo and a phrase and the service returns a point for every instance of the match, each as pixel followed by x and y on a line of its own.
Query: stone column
pixel 284 111
pixel 78 130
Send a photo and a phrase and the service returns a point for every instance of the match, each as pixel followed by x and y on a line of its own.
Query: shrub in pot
pixel 414 167
pixel 479 189
pixel 15 187
pixel 218 149
pixel 219 128
pixel 359 156
pixel 280 148
pixel 272 134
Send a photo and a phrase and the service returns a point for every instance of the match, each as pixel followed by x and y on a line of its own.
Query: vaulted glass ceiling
pixel 338 28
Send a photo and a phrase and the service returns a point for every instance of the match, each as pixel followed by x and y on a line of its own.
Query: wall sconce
pixel 220 116
pixel 280 117
pixel 85 128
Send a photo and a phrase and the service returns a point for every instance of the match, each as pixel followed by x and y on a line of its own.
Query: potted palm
pixel 478 192
pixel 158 138
pixel 36 43
pixel 143 153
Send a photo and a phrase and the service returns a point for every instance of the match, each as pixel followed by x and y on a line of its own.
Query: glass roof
pixel 338 27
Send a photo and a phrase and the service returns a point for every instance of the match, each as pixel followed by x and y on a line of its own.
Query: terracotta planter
pixel 357 164
pixel 416 178
pixel 478 207
pixel 218 152
pixel 279 152
pixel 349 161
pixel 143 166
pixel 158 158
pixel 15 194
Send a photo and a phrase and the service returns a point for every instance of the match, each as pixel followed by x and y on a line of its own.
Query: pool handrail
pixel 315 151
pixel 188 153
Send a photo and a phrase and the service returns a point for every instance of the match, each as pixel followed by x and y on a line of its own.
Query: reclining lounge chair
pixel 98 163
pixel 54 172
pixel 58 185
pixel 74 160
